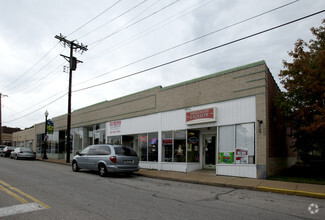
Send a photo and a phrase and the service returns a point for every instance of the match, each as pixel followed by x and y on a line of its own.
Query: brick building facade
pixel 240 137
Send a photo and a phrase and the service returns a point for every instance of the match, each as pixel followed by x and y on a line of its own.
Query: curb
pixel 291 192
pixel 258 188
pixel 50 161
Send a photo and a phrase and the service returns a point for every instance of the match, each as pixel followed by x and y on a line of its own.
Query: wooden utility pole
pixel 73 45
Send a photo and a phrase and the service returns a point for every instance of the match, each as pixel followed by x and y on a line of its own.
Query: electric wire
pixel 22 75
pixel 44 80
pixel 36 73
pixel 200 52
pixel 95 17
pixel 148 30
pixel 187 42
pixel 113 19
pixel 37 109
pixel 134 23
pixel 179 59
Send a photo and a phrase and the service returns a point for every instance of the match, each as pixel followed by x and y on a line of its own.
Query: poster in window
pixel 241 156
pixel 226 157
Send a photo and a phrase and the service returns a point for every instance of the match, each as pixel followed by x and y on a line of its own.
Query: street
pixel 41 190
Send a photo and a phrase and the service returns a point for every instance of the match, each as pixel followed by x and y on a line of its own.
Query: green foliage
pixel 303 103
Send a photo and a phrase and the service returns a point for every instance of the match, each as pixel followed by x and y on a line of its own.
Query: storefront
pixel 219 136
pixel 224 121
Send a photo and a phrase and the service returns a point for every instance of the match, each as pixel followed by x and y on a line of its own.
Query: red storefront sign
pixel 200 116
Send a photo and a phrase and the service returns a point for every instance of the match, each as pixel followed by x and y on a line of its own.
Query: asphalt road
pixel 41 190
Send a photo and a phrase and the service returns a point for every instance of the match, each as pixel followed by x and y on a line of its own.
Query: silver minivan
pixel 106 159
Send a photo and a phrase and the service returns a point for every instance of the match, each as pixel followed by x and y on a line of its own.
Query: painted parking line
pixel 18 195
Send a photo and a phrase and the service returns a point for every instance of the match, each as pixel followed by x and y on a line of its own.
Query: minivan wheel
pixel 102 170
pixel 75 167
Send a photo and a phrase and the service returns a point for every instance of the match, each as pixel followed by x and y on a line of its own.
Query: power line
pixel 179 59
pixel 189 41
pixel 201 52
pixel 120 15
pixel 24 82
pixel 37 109
pixel 149 30
pixel 136 22
pixel 33 86
pixel 22 75
pixel 95 17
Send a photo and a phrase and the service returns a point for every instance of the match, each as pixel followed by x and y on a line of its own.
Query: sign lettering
pixel 200 116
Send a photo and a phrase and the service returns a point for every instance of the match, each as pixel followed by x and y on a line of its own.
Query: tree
pixel 303 102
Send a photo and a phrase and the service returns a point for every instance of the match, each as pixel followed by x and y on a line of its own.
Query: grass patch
pixel 313 173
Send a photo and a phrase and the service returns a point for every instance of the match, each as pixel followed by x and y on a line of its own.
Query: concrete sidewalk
pixel 207 177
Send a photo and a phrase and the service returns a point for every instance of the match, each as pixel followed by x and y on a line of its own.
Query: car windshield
pixel 126 151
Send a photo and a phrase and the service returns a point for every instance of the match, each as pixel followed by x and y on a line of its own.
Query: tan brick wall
pixel 249 80
pixel 26 135
pixel 213 88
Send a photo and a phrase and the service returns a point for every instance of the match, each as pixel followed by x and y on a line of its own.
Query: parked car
pixel 107 159
pixel 2 147
pixel 23 153
pixel 6 151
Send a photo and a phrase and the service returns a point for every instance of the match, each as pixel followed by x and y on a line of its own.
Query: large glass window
pixel 193 146
pixel 147 147
pixel 167 146
pixel 174 146
pixel 114 140
pixel 143 146
pixel 39 143
pixel 237 144
pixel 153 147
pixel 99 133
pixel 53 143
pixel 77 138
pixel 245 143
pixel 180 146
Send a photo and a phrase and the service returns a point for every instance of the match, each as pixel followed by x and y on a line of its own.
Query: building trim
pixel 217 74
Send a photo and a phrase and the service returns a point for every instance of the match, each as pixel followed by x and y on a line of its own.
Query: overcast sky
pixel 122 36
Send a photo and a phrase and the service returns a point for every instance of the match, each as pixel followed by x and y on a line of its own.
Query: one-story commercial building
pixel 225 121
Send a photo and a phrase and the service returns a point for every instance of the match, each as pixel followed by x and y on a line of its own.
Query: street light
pixel 45 137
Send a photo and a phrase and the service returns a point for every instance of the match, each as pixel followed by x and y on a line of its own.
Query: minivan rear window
pixel 126 151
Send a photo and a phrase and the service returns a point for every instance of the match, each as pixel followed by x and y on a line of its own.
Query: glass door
pixel 209 152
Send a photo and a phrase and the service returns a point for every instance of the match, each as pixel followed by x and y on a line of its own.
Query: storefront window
pixel 237 144
pixel 77 139
pixel 143 146
pixel 180 146
pixel 39 143
pixel 53 143
pixel 147 147
pixel 226 144
pixel 174 146
pixel 245 142
pixel 167 146
pixel 193 146
pixel 99 134
pixel 153 147
pixel 114 140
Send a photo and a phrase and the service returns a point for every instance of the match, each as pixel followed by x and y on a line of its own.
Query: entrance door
pixel 209 152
